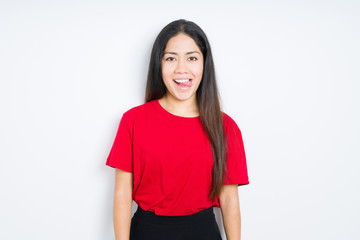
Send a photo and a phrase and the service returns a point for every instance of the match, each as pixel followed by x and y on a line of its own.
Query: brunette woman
pixel 178 155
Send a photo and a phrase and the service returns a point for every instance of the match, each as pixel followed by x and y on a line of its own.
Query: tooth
pixel 184 80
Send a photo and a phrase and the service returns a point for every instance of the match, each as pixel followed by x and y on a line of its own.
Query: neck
pixel 185 108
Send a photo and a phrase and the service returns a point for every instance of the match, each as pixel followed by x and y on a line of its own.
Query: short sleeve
pixel 120 155
pixel 236 158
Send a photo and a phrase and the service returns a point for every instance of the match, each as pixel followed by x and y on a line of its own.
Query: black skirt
pixel 146 225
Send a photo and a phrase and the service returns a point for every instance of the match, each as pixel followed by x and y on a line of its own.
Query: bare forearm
pixel 232 220
pixel 122 217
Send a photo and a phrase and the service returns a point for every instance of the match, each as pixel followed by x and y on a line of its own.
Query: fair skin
pixel 122 204
pixel 182 60
pixel 230 210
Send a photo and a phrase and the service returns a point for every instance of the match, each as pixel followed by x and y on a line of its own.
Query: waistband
pixel 196 218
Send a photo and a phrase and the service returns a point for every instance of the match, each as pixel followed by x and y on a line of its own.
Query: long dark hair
pixel 207 95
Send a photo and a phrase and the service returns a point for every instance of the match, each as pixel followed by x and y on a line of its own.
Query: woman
pixel 178 155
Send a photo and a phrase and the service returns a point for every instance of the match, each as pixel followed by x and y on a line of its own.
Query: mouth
pixel 183 82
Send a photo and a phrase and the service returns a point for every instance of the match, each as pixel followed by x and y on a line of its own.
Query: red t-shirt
pixel 171 159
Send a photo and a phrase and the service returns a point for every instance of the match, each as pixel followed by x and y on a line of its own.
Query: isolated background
pixel 288 73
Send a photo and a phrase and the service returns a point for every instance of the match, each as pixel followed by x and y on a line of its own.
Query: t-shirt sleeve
pixel 236 159
pixel 120 155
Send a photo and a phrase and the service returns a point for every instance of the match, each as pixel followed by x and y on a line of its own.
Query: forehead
pixel 181 43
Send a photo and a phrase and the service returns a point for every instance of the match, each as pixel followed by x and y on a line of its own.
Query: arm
pixel 122 204
pixel 230 210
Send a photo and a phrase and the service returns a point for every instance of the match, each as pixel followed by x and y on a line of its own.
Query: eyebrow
pixel 177 54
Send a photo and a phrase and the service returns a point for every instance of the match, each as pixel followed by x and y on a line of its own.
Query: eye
pixel 193 58
pixel 170 59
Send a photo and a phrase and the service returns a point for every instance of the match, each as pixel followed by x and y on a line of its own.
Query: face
pixel 182 67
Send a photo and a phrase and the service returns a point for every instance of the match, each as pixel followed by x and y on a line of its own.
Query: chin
pixel 183 97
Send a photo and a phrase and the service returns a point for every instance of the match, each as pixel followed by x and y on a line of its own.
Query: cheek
pixel 198 70
pixel 166 70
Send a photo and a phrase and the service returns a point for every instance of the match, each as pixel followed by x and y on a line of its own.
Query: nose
pixel 181 66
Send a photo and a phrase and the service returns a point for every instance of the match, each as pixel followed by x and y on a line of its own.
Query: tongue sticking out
pixel 186 84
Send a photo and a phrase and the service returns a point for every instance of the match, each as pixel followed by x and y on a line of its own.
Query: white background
pixel 288 73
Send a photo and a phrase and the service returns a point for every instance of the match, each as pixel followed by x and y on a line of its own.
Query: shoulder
pixel 228 121
pixel 138 111
pixel 230 125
